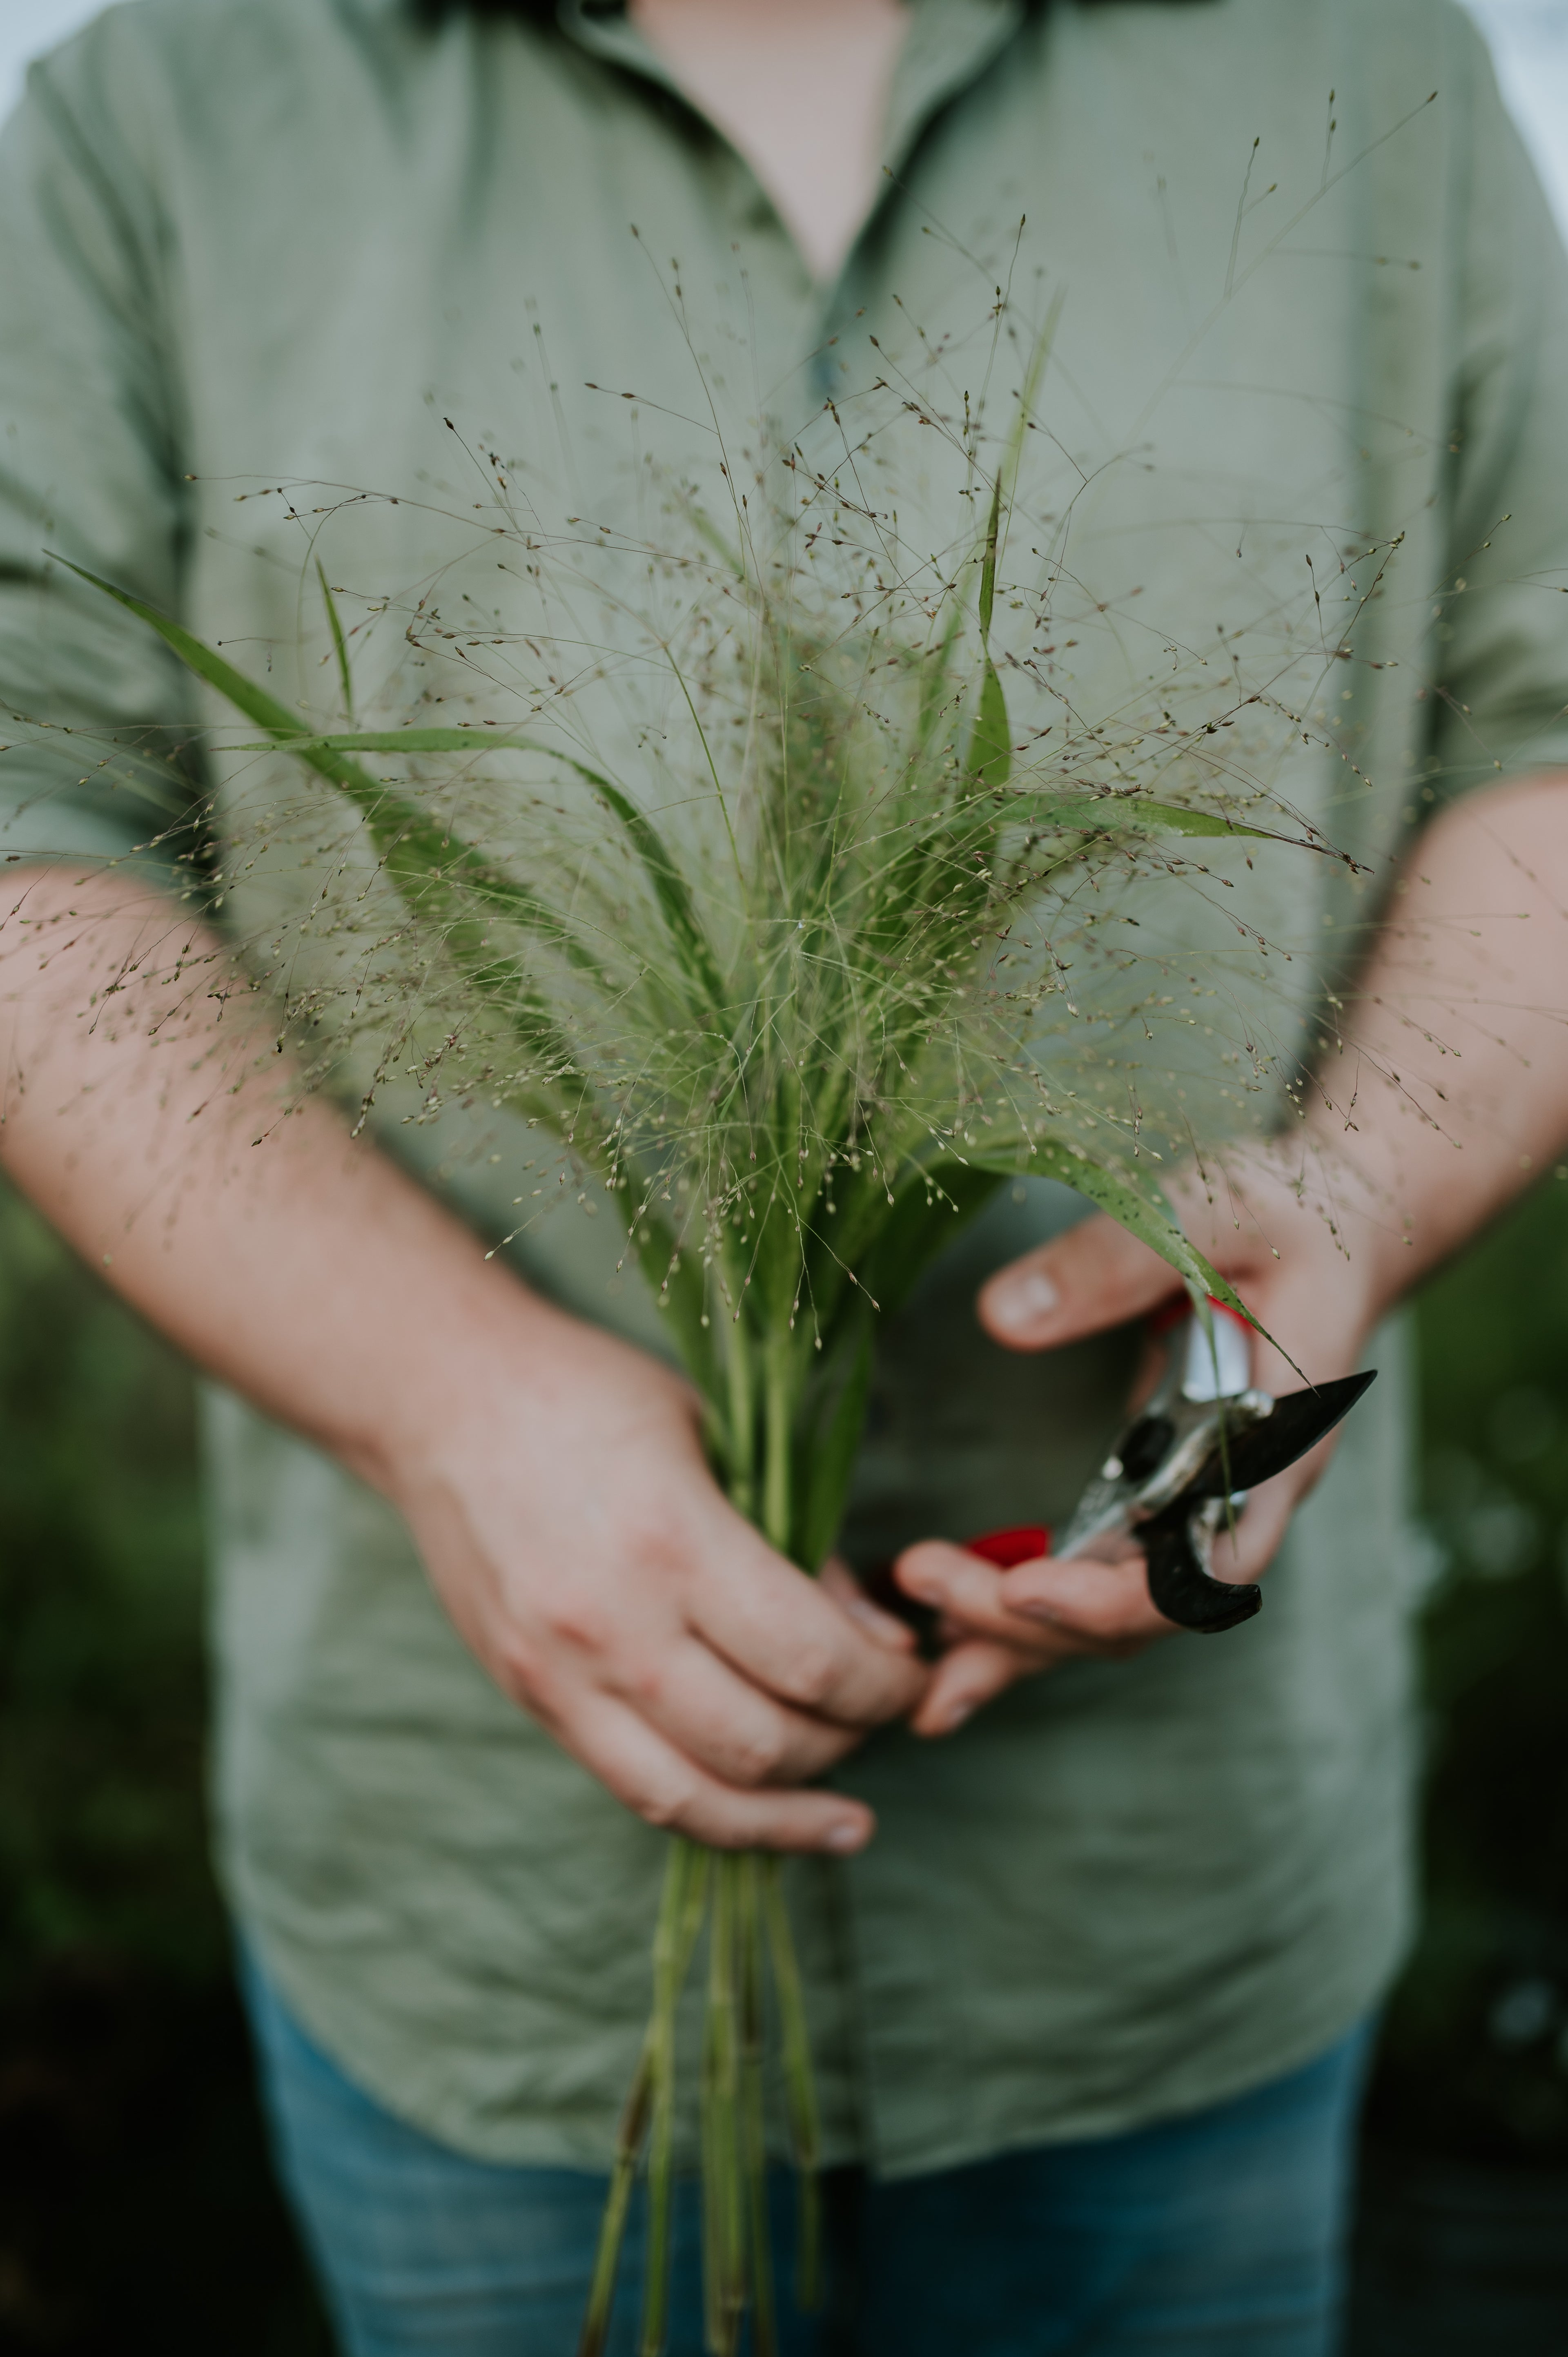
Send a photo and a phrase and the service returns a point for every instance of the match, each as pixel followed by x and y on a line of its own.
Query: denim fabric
pixel 1220 2234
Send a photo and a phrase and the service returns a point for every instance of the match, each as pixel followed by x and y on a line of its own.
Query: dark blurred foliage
pixel 1462 2245
pixel 136 2211
pixel 1476 2053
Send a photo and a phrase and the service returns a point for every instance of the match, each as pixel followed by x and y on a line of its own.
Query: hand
pixel 558 1492
pixel 553 1479
pixel 1299 1242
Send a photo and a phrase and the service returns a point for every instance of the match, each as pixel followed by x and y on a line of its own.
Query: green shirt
pixel 252 244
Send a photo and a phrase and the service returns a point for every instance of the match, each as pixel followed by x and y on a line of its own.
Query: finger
pixel 1261 1525
pixel 1094 1277
pixel 974 1673
pixel 658 1781
pixel 1302 1341
pixel 1154 1358
pixel 964 1587
pixel 1104 1606
pixel 721 1720
pixel 790 1636
pixel 837 1580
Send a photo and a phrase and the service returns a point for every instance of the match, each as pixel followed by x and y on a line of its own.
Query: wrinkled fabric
pixel 1224 2230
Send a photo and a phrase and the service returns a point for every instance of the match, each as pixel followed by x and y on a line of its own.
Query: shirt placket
pixel 947 47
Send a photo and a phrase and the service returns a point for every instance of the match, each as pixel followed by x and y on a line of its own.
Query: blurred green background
pixel 136 2211
pixel 136 2208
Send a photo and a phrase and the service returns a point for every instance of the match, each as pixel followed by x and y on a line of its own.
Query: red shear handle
pixel 1180 1308
pixel 1027 1544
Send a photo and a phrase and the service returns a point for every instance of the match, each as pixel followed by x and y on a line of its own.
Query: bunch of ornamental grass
pixel 780 980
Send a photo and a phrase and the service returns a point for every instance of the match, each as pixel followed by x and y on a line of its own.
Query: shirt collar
pixel 948 45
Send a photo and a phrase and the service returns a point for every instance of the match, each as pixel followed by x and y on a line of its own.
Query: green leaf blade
pixel 669 889
pixel 1143 1212
pixel 990 756
pixel 664 876
pixel 1128 814
pixel 339 643
pixel 988 564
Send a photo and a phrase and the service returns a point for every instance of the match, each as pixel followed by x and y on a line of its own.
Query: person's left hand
pixel 1296 1240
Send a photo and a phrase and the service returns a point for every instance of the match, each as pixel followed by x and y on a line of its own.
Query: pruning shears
pixel 1185 1460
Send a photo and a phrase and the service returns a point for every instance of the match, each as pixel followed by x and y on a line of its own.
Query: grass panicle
pixel 738 894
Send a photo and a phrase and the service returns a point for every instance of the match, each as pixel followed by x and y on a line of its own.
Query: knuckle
pixel 660 1545
pixel 760 1755
pixel 574 1621
pixel 643 1678
pixel 667 1804
pixel 723 1833
pixel 520 1671
pixel 811 1673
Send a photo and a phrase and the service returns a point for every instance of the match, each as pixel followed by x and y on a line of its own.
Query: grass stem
pixel 724 2253
pixel 612 2226
pixel 764 2329
pixel 799 2084
pixel 672 1952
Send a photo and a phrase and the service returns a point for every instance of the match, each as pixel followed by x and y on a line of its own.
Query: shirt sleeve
pixel 1501 612
pixel 99 759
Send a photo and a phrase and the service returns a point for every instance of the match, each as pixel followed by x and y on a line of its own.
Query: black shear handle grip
pixel 1180 1587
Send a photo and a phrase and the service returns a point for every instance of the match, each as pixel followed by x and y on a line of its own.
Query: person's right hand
pixel 557 1490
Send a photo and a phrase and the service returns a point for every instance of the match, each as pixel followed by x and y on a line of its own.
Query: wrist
pixel 490 1368
pixel 1355 1189
pixel 456 1343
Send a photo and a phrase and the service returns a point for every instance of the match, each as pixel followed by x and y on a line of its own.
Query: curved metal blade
pixel 1298 1423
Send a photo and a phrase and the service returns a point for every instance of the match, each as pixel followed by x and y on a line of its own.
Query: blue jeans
pixel 1217 2235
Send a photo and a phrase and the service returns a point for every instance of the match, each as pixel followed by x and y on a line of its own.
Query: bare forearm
pixel 1451 1089
pixel 551 1476
pixel 145 1113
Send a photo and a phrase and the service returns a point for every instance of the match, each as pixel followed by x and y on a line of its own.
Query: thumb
pixel 1095 1275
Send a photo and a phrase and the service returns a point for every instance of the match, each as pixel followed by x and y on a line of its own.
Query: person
pixel 1091 2007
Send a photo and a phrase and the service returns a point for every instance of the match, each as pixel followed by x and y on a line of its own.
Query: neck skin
pixel 799 89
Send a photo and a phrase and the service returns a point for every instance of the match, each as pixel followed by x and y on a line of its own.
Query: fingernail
pixel 1025 1300
pixel 953 1718
pixel 1035 1608
pixel 845 1838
